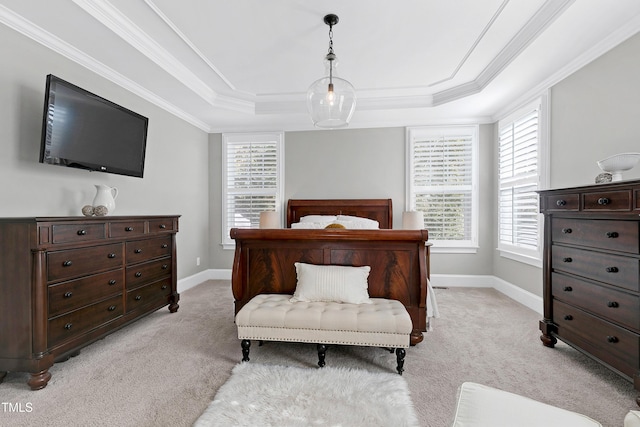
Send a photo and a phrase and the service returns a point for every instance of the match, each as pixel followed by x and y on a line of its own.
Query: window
pixel 442 183
pixel 520 154
pixel 252 179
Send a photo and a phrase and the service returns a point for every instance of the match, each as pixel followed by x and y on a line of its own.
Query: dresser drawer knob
pixel 612 234
pixel 138 251
pixel 138 298
pixel 603 201
pixel 567 230
pixel 164 246
pixel 567 259
pixel 568 317
pixel 68 294
pixel 612 269
pixel 162 226
pixel 613 304
pixel 138 274
pixel 112 282
pixel 561 202
pixel 111 255
pixel 128 229
pixel 165 266
pixel 568 289
pixel 68 326
pixel 67 264
pixel 111 307
pixel 82 232
pixel 612 339
pixel 163 287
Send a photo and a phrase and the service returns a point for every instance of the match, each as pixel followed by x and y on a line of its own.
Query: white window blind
pixel 252 170
pixel 519 177
pixel 442 183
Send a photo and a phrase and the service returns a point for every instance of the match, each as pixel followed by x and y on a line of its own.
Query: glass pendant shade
pixel 331 102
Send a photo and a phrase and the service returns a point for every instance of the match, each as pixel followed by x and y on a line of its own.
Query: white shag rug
pixel 267 395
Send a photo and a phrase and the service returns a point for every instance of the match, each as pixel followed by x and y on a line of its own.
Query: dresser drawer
pixel 620 307
pixel 161 225
pixel 141 274
pixel 67 296
pixel 156 293
pixel 612 344
pixel 126 229
pixel 614 269
pixel 72 233
pixel 604 234
pixel 80 262
pixel 80 321
pixel 561 202
pixel 143 250
pixel 607 201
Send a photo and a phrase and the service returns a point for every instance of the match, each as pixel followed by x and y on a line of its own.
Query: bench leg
pixel 400 353
pixel 322 350
pixel 245 350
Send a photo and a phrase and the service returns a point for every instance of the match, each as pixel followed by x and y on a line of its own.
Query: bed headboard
pixel 376 209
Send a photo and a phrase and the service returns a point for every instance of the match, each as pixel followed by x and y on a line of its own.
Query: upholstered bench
pixel 274 317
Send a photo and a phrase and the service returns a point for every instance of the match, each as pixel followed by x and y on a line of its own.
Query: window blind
pixel 442 182
pixel 518 181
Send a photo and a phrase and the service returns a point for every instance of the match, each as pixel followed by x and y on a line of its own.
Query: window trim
pixel 505 250
pixel 278 137
pixel 448 246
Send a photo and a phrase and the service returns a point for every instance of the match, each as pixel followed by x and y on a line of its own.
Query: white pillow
pixel 318 218
pixel 334 283
pixel 363 223
pixel 307 225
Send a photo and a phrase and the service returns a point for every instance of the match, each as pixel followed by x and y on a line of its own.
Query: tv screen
pixel 83 130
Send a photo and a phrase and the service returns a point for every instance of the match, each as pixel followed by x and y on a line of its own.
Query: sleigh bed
pixel 399 259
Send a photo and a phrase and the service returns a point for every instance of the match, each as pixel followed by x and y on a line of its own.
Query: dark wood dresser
pixel 592 273
pixel 67 281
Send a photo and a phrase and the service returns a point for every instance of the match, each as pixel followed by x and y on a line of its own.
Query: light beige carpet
pixel 165 369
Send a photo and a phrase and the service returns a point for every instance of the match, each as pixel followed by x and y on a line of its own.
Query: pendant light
pixel 331 100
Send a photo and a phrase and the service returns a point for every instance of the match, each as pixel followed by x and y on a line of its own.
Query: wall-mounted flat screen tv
pixel 83 130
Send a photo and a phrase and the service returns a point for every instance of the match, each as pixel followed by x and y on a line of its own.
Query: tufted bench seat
pixel 272 317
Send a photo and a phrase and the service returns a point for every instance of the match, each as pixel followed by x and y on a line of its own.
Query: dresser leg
pixel 548 340
pixel 39 380
pixel 173 305
pixel 2 375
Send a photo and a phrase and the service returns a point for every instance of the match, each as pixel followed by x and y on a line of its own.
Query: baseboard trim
pixel 514 292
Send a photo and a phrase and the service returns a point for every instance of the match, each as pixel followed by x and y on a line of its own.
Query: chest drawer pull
pixel 112 282
pixel 612 234
pixel 68 294
pixel 561 202
pixel 165 266
pixel 67 264
pixel 567 259
pixel 164 246
pixel 111 307
pixel 612 339
pixel 82 232
pixel 613 304
pixel 138 297
pixel 567 230
pixel 162 226
pixel 128 229
pixel 138 274
pixel 612 269
pixel 603 201
pixel 163 287
pixel 567 289
pixel 111 255
pixel 68 326
pixel 138 251
pixel 568 317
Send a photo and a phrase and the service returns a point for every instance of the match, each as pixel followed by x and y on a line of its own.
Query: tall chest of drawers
pixel 592 273
pixel 66 282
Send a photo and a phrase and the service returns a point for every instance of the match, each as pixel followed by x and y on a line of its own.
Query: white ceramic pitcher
pixel 105 196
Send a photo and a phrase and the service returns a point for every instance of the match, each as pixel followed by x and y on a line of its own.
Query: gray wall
pixel 176 179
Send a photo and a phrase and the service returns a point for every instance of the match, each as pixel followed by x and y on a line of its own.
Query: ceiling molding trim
pixel 547 14
pixel 50 41
pixel 611 41
pixel 112 18
pixel 192 46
